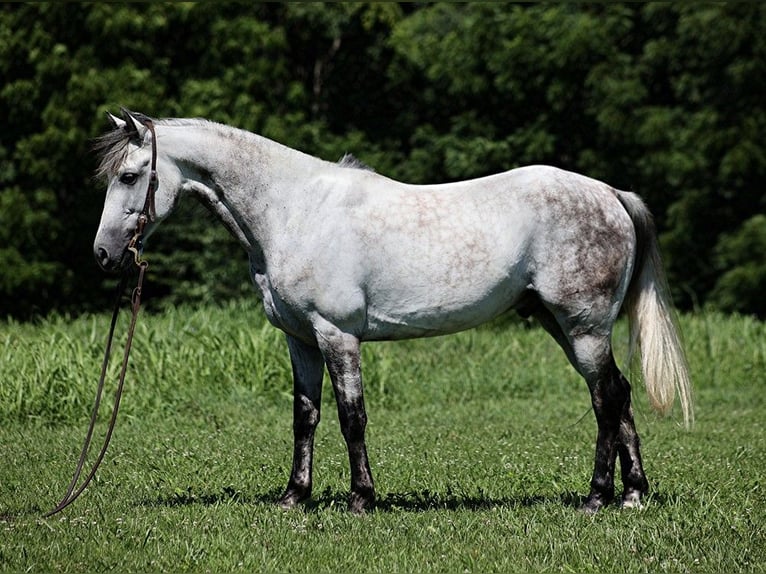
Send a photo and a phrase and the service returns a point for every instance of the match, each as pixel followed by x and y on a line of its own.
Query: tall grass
pixel 179 358
pixel 184 357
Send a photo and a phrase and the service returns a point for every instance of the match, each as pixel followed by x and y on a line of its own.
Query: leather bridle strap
pixel 72 494
pixel 147 214
pixel 151 188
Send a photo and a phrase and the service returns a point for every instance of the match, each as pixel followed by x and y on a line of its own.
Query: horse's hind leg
pixel 592 356
pixel 634 480
pixel 308 369
pixel 610 397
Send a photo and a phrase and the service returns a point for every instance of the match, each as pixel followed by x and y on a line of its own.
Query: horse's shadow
pixel 330 499
pixel 426 500
pixel 411 501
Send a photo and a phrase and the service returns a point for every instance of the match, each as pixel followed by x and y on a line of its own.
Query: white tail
pixel 653 329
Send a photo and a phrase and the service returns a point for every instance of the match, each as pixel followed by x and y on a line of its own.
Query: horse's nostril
pixel 102 256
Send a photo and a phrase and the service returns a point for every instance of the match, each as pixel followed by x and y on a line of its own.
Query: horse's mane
pixel 112 147
pixel 353 162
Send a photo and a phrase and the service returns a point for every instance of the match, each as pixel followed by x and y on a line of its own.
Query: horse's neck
pixel 241 177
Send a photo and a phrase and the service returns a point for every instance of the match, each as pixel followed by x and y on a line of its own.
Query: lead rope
pixel 72 494
pixel 147 214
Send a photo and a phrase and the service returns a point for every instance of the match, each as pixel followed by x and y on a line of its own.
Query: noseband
pixel 148 213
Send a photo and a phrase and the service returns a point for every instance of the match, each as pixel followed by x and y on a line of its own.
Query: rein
pixel 135 246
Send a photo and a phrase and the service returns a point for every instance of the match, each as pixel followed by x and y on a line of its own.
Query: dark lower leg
pixel 306 418
pixel 602 483
pixel 353 421
pixel 609 397
pixel 634 480
pixel 308 368
pixel 343 359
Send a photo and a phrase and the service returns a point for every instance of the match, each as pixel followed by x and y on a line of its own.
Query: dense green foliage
pixel 481 444
pixel 663 99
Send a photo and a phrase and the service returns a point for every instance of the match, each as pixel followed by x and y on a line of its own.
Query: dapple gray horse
pixel 342 255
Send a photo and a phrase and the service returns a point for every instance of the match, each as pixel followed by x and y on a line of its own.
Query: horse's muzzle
pixel 111 264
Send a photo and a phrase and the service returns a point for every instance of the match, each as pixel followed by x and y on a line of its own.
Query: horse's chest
pixel 273 306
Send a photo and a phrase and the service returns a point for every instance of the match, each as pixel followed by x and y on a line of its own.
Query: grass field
pixel 481 445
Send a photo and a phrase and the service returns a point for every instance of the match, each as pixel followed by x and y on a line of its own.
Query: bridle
pixel 135 246
pixel 148 213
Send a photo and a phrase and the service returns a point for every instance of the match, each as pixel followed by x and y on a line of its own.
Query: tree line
pixel 663 99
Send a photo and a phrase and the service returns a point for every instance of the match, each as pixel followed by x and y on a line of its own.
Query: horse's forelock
pixel 112 147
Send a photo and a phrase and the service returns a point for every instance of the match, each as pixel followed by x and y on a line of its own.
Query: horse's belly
pixel 436 309
pixel 445 279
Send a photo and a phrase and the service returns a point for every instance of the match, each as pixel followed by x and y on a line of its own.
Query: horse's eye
pixel 128 178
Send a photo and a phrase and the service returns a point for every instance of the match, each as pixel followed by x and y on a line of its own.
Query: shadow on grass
pixel 415 501
pixel 227 495
pixel 426 500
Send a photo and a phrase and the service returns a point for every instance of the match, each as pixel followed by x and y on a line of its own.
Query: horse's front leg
pixel 342 355
pixel 308 369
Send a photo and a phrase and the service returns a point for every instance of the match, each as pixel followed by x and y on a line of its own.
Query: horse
pixel 342 255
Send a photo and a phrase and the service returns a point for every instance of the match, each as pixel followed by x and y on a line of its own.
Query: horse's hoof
pixel 593 504
pixel 359 504
pixel 291 499
pixel 631 499
pixel 587 508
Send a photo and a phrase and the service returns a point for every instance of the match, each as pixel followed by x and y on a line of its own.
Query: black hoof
pixel 361 503
pixel 292 497
pixel 594 503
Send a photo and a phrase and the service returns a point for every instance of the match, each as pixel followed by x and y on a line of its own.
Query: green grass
pixel 481 445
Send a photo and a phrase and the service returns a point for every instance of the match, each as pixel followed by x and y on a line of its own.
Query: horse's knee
pixel 306 415
pixel 353 421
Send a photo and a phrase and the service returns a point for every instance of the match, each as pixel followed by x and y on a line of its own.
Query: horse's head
pixel 127 162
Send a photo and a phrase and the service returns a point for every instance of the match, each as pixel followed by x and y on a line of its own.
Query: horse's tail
pixel 653 329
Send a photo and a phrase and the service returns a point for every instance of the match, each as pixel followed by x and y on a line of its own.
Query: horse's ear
pixel 116 122
pixel 133 126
